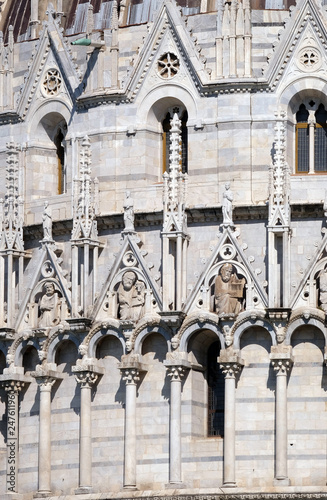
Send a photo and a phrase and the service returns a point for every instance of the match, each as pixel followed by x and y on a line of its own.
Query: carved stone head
pixel 129 280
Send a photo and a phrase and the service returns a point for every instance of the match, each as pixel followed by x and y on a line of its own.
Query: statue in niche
pixel 228 292
pixel 323 289
pixel 129 212
pixel 47 222
pixel 49 306
pixel 227 206
pixel 131 297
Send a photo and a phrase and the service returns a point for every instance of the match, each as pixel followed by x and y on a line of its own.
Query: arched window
pixel 216 392
pixel 166 126
pixel 311 138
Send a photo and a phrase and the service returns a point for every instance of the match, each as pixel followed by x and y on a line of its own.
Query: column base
pixel 284 481
pixel 83 489
pixel 42 494
pixel 130 488
pixel 229 485
pixel 175 485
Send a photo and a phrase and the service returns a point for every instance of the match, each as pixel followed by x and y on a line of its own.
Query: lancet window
pixel 58 141
pixel 311 138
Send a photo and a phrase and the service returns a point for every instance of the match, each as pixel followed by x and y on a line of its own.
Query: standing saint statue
pixel 227 206
pixel 129 212
pixel 47 222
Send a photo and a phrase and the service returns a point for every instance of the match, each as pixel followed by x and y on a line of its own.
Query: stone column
pixel 130 369
pixel 282 363
pixel 13 388
pixel 312 126
pixel 45 380
pixel 231 365
pixel 176 372
pixel 131 378
pixel 86 378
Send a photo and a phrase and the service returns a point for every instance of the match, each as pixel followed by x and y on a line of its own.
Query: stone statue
pixel 131 297
pixel 323 289
pixel 129 212
pixel 47 222
pixel 227 206
pixel 49 306
pixel 228 291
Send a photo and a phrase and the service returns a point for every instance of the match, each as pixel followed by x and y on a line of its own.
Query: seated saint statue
pixel 49 306
pixel 131 297
pixel 228 292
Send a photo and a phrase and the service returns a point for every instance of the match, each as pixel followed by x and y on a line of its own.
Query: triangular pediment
pixel 44 268
pixel 308 293
pixel 144 296
pixel 52 71
pixel 248 294
pixel 169 54
pixel 302 48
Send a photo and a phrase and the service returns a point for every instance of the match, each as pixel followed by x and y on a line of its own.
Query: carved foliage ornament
pixel 52 82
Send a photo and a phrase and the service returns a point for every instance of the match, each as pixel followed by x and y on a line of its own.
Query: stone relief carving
pixel 129 212
pixel 47 222
pixel 323 289
pixel 131 297
pixel 52 82
pixel 227 206
pixel 228 292
pixel 49 306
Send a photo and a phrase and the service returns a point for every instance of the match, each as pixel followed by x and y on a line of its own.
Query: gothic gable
pixel 247 293
pixel 51 73
pixel 138 298
pixel 46 271
pixel 169 55
pixel 302 47
pixel 312 290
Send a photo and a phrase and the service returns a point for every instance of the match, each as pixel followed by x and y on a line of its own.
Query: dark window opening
pixel 61 161
pixel 216 393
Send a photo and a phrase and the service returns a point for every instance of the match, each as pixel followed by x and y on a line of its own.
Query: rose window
pixel 309 59
pixel 52 82
pixel 168 65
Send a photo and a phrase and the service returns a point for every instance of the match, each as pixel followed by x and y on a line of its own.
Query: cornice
pixel 194 215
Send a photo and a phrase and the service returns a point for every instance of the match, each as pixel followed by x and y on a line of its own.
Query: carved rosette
pixel 86 378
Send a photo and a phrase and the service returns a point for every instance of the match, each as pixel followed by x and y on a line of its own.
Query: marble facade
pixel 154 205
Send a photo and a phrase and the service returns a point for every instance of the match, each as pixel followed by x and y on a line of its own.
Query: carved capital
pixel 46 377
pixel 45 382
pixel 281 360
pixel 13 386
pixel 230 363
pixel 176 372
pixel 130 375
pixel 230 370
pixel 282 366
pixel 86 378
